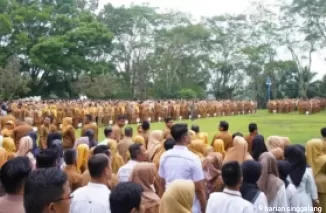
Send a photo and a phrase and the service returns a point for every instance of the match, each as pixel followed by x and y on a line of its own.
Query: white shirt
pixel 260 203
pixel 292 198
pixel 279 203
pixel 228 201
pixel 125 171
pixel 180 163
pixel 93 198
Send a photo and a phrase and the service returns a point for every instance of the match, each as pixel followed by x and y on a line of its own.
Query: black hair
pixel 125 196
pixel 97 164
pixel 128 131
pixel 69 156
pixel 224 125
pixel 107 131
pixel 237 134
pixel 169 144
pixel 178 131
pixel 145 125
pixel 53 136
pixel 252 127
pixel 102 149
pixel 46 158
pixel 168 119
pixel 14 173
pixel 121 117
pixel 89 117
pixel 195 128
pixel 323 132
pixel 134 150
pixel 231 173
pixel 42 187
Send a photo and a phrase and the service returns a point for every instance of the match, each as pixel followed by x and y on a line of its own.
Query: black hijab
pixel 303 148
pixel 90 134
pixel 283 171
pixel 297 159
pixel 258 147
pixel 53 136
pixel 251 171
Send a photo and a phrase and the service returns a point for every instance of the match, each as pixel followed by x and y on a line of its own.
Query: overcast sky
pixel 199 8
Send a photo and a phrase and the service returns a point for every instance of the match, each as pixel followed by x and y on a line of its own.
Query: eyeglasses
pixel 64 198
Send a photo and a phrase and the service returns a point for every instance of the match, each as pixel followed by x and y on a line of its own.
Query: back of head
pixel 252 127
pixel 195 128
pixel 168 119
pixel 125 197
pixel 237 134
pixel 14 173
pixel 251 171
pixel 145 126
pixel 128 132
pixel 97 165
pixel 107 131
pixel 43 187
pixel 224 126
pixel 178 131
pixel 89 118
pixel 169 144
pixel 323 132
pixel 283 169
pixel 46 159
pixel 70 156
pixel 102 149
pixel 231 174
pixel 134 150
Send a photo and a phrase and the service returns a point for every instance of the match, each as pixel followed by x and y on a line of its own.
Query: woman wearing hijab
pixel 8 131
pixel 179 197
pixel 139 139
pixel 68 133
pixel 291 192
pixel 258 147
pixel 218 146
pixel 83 154
pixel 251 171
pixel 270 183
pixel 275 145
pixel 238 152
pixel 317 160
pixel 117 160
pixel 3 156
pixel 154 143
pixel 90 134
pixel 25 149
pixel 212 165
pixel 57 147
pixel 300 177
pixel 144 174
pixel 53 136
pixel 9 145
pixel 36 149
pixel 196 145
pixel 82 140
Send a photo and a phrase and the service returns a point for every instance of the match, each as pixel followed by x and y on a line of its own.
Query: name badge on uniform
pixel 110 122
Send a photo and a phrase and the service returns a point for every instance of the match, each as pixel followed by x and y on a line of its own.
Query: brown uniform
pixel 75 178
pixel 21 130
pixel 69 138
pixel 5 119
pixel 91 126
pixel 123 147
pixel 227 139
pixel 44 132
pixel 117 132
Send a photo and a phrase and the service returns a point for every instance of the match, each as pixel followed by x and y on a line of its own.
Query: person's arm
pixel 162 177
pixel 198 178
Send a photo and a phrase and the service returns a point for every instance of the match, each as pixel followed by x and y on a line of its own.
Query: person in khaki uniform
pixel 75 179
pixel 6 118
pixel 44 131
pixel 89 124
pixel 21 130
pixel 68 133
pixel 123 145
pixel 117 129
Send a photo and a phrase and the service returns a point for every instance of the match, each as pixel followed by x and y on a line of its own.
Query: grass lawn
pixel 299 128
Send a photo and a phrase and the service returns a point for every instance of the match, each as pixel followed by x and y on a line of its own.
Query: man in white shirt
pixel 230 199
pixel 137 154
pixel 180 163
pixel 94 197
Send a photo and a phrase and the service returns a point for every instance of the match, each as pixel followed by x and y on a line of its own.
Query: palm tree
pixel 305 81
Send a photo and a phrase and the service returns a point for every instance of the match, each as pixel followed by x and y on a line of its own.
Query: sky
pixel 199 8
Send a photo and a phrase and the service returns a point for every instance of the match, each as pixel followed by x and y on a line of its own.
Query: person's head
pixel 138 152
pixel 126 198
pixel 251 171
pixel 253 128
pixel 46 159
pixel 70 157
pixel 88 119
pixel 169 144
pixel 283 170
pixel 120 121
pixel 323 132
pixel 195 128
pixel 99 167
pixel 145 126
pixel 223 126
pixel 237 134
pixel 108 132
pixel 13 174
pixel 102 149
pixel 10 124
pixel 47 191
pixel 47 120
pixel 232 175
pixel 180 134
pixel 90 134
pixel 29 120
pixel 128 132
pixel 168 122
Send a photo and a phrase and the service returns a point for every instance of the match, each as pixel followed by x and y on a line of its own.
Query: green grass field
pixel 299 128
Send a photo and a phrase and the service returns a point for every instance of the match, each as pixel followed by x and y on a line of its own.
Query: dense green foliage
pixel 64 49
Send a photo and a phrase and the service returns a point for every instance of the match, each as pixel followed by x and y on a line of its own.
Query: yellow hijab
pixel 139 139
pixel 154 143
pixel 9 145
pixel 66 124
pixel 204 137
pixel 3 156
pixel 83 154
pixel 179 197
pixel 117 160
pixel 315 155
pixel 218 146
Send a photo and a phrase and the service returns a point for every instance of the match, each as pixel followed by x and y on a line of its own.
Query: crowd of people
pixel 174 170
